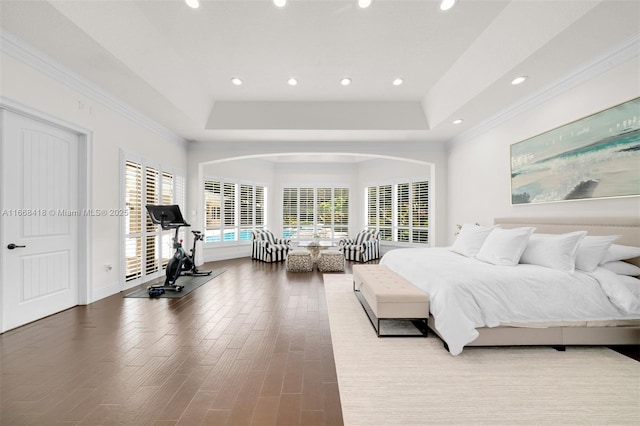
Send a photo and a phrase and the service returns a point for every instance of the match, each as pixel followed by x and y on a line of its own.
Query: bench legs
pixel 419 323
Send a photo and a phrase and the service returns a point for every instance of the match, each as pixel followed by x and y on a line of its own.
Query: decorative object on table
pixel 315 247
pixel 594 157
pixel 363 248
pixel 267 248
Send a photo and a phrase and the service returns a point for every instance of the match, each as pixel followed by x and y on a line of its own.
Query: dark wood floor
pixel 251 347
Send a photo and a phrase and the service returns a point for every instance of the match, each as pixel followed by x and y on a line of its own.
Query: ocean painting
pixel 595 157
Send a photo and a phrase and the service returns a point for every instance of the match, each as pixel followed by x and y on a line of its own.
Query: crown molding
pixel 17 48
pixel 618 55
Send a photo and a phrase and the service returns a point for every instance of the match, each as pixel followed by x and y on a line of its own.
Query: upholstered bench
pixel 385 295
pixel 331 261
pixel 299 261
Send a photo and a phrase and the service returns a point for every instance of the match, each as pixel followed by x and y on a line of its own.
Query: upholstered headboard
pixel 627 227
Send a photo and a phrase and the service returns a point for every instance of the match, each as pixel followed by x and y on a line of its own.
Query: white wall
pixel 479 169
pixel 110 132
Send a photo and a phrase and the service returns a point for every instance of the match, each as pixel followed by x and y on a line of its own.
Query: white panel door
pixel 39 220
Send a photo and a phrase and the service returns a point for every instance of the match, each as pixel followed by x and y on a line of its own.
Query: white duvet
pixel 466 293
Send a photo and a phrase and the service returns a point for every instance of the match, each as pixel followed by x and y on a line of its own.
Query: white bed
pixel 474 303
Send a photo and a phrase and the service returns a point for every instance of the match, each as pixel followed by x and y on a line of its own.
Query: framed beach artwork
pixel 595 157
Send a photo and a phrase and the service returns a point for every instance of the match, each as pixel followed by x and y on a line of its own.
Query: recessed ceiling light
pixel 280 3
pixel 518 80
pixel 292 82
pixel 364 3
pixel 193 3
pixel 398 82
pixel 236 81
pixel 345 81
pixel 458 121
pixel 447 4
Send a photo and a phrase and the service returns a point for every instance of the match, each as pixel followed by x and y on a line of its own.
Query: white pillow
pixel 505 246
pixel 632 284
pixel 620 252
pixel 592 250
pixel 553 251
pixel 622 268
pixel 471 238
pixel 617 292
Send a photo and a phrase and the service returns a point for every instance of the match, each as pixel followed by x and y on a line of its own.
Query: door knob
pixel 13 246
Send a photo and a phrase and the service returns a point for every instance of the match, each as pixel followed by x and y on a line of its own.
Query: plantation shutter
pixel 229 214
pixel 402 215
pixel 260 204
pixel 167 188
pixel 403 212
pixel 385 212
pixel 151 239
pixel 324 212
pixel 133 221
pixel 213 211
pixel 341 213
pixel 306 209
pixel 246 211
pixel 289 211
pixel 147 248
pixel 315 211
pixel 372 208
pixel 420 212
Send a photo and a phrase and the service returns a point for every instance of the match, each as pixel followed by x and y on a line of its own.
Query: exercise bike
pixel 181 263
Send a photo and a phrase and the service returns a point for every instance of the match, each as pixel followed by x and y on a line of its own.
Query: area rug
pixel 415 381
pixel 189 283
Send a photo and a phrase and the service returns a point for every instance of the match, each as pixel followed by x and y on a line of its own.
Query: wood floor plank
pixel 266 411
pixel 312 390
pixel 197 409
pixel 292 382
pixel 289 410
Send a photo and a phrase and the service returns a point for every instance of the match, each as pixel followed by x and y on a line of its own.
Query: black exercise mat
pixel 189 283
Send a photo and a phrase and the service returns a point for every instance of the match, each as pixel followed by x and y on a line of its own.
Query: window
pixel 232 210
pixel 152 196
pixel 399 211
pixel 247 211
pixel 147 249
pixel 340 212
pixel 311 211
pixel 385 212
pixel 419 218
pixel 230 218
pixel 133 222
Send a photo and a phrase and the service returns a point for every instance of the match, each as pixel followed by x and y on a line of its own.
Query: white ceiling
pixel 174 63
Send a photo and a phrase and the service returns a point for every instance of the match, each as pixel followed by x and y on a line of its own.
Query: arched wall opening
pixel 276 170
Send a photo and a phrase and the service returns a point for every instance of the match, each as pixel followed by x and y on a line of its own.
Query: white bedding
pixel 466 293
